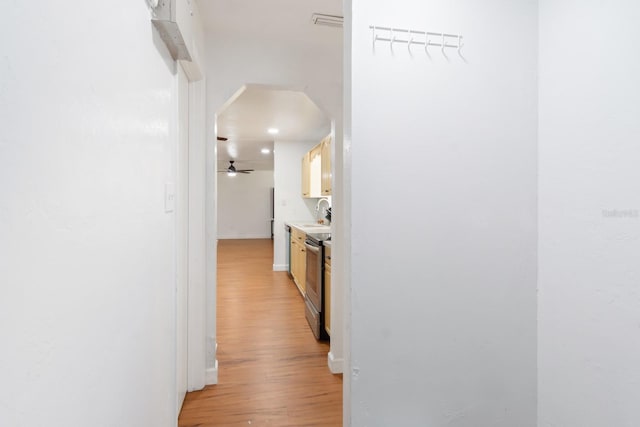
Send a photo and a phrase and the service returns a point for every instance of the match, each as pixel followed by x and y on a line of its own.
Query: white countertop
pixel 309 227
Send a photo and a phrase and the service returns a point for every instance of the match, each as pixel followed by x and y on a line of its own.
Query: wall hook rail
pixel 416 37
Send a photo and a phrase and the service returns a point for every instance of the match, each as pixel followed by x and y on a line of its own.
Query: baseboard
pixel 211 375
pixel 280 267
pixel 244 236
pixel 335 365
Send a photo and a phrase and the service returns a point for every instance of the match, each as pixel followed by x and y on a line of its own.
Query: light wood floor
pixel 272 371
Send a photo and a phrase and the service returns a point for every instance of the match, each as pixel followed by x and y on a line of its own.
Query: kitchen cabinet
pixel 302 269
pixel 298 259
pixel 306 175
pixel 316 170
pixel 325 159
pixel 327 289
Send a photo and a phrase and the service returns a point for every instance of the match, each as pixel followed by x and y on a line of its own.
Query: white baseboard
pixel 280 267
pixel 335 365
pixel 244 236
pixel 211 375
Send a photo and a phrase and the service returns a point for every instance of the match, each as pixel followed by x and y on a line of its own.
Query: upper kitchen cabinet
pixel 312 173
pixel 316 170
pixel 306 182
pixel 326 166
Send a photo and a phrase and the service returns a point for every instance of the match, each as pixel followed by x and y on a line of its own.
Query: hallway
pixel 272 370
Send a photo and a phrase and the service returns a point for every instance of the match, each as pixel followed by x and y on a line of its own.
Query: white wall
pixel 289 204
pixel 443 275
pixel 87 301
pixel 244 205
pixel 589 344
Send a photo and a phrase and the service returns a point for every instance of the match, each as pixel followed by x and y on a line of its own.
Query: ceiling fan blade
pixel 232 169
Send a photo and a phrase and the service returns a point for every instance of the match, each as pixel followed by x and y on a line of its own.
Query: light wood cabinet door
pixel 326 166
pixel 298 236
pixel 327 296
pixel 306 176
pixel 294 259
pixel 298 259
pixel 302 272
pixel 314 176
pixel 312 181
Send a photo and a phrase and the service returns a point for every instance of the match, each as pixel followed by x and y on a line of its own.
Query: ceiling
pixel 273 19
pixel 255 108
pixel 246 118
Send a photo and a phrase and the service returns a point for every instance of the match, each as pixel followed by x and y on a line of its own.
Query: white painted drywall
pixel 589 274
pixel 443 224
pixel 87 301
pixel 244 205
pixel 289 203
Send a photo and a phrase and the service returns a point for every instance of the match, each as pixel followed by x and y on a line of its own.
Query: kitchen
pixel 310 243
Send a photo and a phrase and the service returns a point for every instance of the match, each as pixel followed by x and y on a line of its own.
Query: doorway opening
pixel 264 344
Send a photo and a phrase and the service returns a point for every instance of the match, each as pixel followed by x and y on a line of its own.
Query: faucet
pixel 323 199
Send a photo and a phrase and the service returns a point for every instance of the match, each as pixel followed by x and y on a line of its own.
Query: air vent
pixel 327 20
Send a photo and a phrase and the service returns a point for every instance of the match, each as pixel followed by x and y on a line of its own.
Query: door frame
pixel 181 236
pixel 196 300
pixel 197 297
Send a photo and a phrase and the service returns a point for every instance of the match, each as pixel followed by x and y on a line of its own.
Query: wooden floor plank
pixel 273 372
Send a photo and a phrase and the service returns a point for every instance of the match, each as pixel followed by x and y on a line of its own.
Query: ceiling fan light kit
pixel 232 171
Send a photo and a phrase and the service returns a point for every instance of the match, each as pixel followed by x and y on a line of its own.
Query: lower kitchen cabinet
pixel 298 259
pixel 327 289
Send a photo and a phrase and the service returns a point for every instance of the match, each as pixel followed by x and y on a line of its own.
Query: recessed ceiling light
pixel 273 131
pixel 265 151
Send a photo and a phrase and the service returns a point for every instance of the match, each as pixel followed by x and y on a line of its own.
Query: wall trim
pixel 335 365
pixel 211 375
pixel 244 236
pixel 280 267
pixel 197 270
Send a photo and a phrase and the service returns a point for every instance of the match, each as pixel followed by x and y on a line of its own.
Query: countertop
pixel 309 227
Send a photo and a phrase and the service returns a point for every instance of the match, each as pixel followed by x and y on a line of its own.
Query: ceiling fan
pixel 231 170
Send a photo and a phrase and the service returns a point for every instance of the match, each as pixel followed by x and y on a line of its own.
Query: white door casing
pixel 197 237
pixel 182 237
